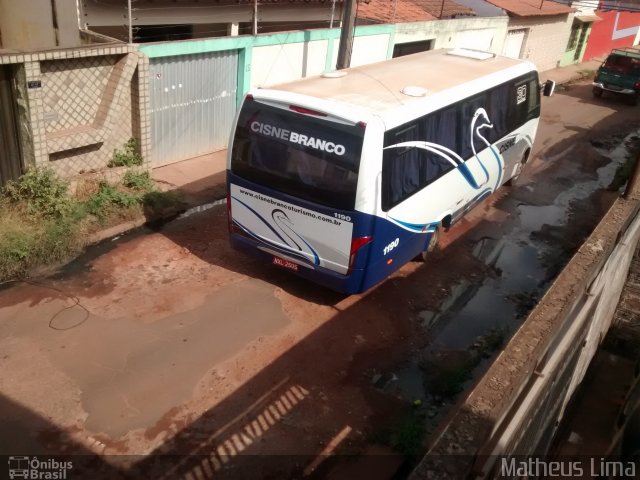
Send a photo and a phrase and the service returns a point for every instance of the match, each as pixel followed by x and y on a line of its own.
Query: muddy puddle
pixel 476 317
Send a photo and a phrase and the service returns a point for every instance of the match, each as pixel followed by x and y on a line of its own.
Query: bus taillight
pixel 306 111
pixel 357 244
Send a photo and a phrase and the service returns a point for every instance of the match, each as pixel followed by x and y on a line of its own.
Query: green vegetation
pixel 625 170
pixel 129 156
pixel 42 223
pixel 41 193
pixel 623 173
pixel 138 180
pixel 405 436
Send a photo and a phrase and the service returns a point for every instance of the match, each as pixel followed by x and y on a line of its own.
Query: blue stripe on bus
pixel 497 157
pixel 466 173
pixel 298 254
pixel 416 227
pixel 260 217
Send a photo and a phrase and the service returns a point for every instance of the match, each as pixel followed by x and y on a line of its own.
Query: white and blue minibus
pixel 345 177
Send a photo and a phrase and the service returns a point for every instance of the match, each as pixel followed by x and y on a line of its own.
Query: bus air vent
pixel 469 53
pixel 414 91
pixel 334 74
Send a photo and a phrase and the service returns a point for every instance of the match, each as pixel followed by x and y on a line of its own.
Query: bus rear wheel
pixel 514 180
pixel 433 244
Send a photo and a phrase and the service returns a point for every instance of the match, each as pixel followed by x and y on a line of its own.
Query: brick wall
pixel 546 38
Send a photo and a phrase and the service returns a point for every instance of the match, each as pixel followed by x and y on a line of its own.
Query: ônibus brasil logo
pixel 36 469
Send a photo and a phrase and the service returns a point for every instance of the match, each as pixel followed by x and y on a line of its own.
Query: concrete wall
pixel 281 57
pixel 479 33
pixel 80 105
pixel 616 30
pixel 273 64
pixel 516 407
pixel 546 38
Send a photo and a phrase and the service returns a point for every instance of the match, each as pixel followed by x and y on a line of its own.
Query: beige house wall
pixel 546 38
pixel 79 105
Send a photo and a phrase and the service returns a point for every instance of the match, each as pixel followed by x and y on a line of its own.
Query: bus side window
pixel 405 171
pixel 524 98
pixel 498 111
pixel 470 140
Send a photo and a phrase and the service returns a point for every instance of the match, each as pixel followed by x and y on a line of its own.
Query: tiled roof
pixel 410 10
pixel 531 8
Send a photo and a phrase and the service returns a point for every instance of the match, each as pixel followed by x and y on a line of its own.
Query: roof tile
pixel 531 8
pixel 410 10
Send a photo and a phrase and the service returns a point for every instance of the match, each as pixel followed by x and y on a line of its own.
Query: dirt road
pixel 168 342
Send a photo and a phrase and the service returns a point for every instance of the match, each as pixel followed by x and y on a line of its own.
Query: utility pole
pixel 333 11
pixel 346 34
pixel 130 22
pixel 255 18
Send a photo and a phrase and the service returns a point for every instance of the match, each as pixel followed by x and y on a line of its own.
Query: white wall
pixel 546 39
pixel 276 64
pixel 480 33
pixel 367 49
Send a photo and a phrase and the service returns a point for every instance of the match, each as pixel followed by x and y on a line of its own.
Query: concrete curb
pixel 126 227
pixel 116 230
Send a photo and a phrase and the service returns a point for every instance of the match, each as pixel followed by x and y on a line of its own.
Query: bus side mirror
pixel 548 88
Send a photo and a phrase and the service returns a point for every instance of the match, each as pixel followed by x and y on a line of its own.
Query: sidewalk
pixel 571 72
pixel 202 179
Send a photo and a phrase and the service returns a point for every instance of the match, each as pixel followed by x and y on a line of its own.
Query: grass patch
pixel 109 200
pixel 27 243
pixel 41 223
pixel 139 181
pixel 129 156
pixel 41 193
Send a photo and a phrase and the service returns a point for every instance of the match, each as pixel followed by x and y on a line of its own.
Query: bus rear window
pixel 306 157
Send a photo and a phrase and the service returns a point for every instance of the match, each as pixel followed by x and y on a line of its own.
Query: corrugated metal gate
pixel 193 102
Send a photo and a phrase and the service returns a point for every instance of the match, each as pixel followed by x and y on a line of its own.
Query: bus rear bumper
pixel 348 284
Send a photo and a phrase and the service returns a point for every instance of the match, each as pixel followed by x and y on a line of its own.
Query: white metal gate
pixel 513 43
pixel 193 102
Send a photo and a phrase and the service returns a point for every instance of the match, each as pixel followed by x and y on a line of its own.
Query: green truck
pixel 620 74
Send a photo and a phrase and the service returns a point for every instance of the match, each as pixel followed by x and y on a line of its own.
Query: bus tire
pixel 633 99
pixel 514 180
pixel 433 244
pixel 597 92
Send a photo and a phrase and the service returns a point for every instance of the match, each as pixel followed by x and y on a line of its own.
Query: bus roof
pixel 378 87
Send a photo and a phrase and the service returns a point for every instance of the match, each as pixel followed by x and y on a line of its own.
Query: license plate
pixel 281 262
